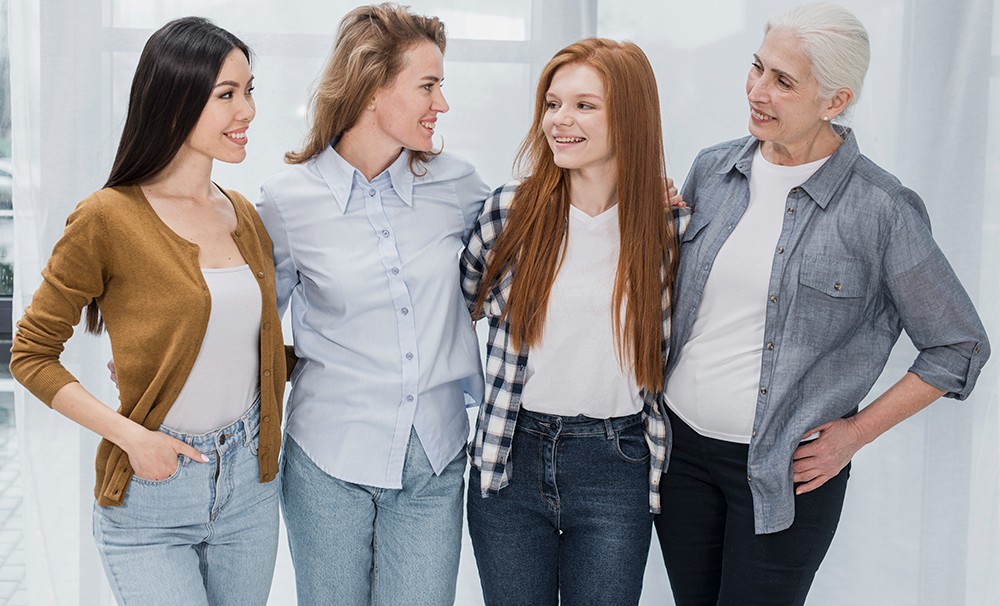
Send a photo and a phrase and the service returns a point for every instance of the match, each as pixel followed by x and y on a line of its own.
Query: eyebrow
pixel 232 83
pixel 777 71
pixel 432 79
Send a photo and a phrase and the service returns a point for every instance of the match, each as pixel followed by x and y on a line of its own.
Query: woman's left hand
pixel 815 462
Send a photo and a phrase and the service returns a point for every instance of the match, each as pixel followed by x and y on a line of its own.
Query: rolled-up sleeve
pixel 936 312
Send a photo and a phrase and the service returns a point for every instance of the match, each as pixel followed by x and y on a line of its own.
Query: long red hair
pixel 531 240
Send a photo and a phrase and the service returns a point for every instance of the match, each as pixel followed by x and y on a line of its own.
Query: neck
pixel 593 191
pixel 187 176
pixel 821 145
pixel 365 153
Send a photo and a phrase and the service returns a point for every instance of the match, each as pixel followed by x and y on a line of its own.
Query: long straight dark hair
pixel 172 83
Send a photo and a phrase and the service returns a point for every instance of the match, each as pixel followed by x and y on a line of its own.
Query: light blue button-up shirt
pixel 380 326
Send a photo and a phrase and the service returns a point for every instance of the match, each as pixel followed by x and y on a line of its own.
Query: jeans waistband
pixel 241 431
pixel 556 425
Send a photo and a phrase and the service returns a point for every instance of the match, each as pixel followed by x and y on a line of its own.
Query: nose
pixel 440 104
pixel 564 115
pixel 756 89
pixel 248 109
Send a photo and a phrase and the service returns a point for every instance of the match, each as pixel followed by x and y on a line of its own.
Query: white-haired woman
pixel 831 257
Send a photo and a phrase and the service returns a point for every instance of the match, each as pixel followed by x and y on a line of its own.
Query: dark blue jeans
pixel 706 529
pixel 574 520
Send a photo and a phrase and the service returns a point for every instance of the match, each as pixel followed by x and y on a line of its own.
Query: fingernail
pixel 204 458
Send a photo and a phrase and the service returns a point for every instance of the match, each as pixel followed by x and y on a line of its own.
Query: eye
pixel 784 83
pixel 756 66
pixel 585 106
pixel 250 90
pixel 551 105
pixel 226 95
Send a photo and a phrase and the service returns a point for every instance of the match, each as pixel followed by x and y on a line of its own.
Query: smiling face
pixel 406 110
pixel 221 130
pixel 786 111
pixel 576 119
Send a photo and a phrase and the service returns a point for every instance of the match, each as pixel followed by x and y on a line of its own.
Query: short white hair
pixel 834 41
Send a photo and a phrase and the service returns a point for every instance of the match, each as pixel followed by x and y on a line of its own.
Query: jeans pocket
pixel 177 472
pixel 630 444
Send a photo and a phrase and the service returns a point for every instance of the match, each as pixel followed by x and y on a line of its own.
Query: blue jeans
pixel 574 522
pixel 356 545
pixel 208 534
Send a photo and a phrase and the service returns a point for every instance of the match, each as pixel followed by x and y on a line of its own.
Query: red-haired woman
pixel 573 266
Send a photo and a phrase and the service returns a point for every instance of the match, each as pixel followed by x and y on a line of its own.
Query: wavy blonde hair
pixel 368 54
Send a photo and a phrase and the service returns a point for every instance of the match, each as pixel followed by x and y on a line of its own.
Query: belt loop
pixel 609 429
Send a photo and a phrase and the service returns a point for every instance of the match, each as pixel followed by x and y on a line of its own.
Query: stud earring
pixel 826 118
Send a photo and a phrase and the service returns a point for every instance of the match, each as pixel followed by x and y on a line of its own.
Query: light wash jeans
pixel 357 545
pixel 208 534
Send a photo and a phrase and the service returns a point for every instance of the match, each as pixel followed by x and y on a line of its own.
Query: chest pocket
pixel 830 301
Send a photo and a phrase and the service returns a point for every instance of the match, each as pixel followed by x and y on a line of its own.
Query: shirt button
pixel 976 350
pixel 753 434
pixel 267 373
pixel 763 389
pixel 796 190
pixel 770 346
pixel 773 299
pixel 409 355
pixel 790 211
pixel 395 271
pixel 781 250
pixel 749 479
pixel 838 287
pixel 267 325
pixel 266 418
pixel 404 311
pixel 409 398
pixel 385 233
pixel 236 233
pixel 260 274
pixel 371 192
pixel 730 227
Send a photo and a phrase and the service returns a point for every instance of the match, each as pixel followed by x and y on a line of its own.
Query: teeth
pixel 569 139
pixel 242 135
pixel 759 116
pixel 428 125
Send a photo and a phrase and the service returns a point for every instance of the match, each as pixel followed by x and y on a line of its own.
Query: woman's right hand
pixel 153 455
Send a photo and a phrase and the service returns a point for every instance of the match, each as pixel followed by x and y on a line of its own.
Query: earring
pixel 826 118
pixel 371 107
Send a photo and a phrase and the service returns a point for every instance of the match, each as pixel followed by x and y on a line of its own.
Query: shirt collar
pixel 339 176
pixel 824 183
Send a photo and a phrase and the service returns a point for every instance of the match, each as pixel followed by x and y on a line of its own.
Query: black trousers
pixel 706 529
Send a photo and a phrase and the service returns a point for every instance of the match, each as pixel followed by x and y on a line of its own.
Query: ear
pixel 838 103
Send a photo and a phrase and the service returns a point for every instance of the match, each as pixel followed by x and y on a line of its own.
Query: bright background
pixel 922 520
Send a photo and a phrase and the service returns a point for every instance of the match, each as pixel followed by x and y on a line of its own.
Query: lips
pixel 429 125
pixel 759 116
pixel 238 136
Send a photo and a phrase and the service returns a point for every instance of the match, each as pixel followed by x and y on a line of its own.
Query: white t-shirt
pixel 225 379
pixel 574 369
pixel 714 386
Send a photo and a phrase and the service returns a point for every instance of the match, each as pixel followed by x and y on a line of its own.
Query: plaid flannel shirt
pixel 506 366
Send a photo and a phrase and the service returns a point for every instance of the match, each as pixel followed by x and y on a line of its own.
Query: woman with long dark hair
pixel 179 272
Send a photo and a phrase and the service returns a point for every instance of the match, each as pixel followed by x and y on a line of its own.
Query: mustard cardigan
pixel 148 284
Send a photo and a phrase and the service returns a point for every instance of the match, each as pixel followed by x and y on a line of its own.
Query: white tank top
pixel 225 379
pixel 574 369
pixel 715 384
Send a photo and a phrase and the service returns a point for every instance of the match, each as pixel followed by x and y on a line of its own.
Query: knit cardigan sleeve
pixel 75 274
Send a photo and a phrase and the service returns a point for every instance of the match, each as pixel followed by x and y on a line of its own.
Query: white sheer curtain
pixel 922 520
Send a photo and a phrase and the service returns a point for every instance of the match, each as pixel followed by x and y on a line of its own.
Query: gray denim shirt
pixel 854 265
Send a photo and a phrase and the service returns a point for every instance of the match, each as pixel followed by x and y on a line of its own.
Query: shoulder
pixel 292 176
pixel 721 155
pixel 112 204
pixel 502 197
pixel 445 167
pixel 878 187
